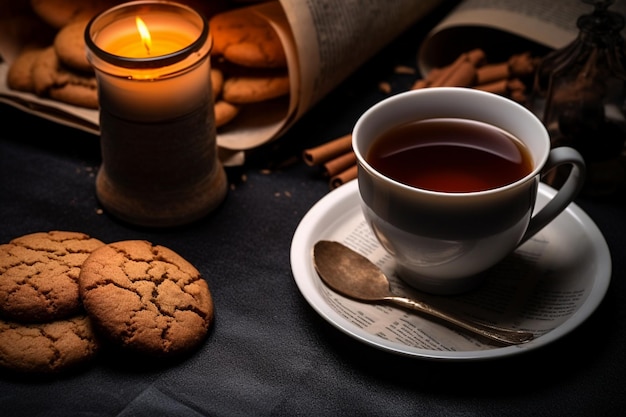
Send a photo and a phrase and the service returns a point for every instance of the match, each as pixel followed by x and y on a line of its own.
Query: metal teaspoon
pixel 353 275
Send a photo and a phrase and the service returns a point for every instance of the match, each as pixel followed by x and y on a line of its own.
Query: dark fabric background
pixel 269 353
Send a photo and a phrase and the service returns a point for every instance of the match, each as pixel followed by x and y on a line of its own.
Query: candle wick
pixel 145 33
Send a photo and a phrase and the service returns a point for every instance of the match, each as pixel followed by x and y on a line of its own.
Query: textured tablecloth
pixel 269 352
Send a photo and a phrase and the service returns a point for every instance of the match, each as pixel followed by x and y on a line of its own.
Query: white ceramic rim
pixel 427 94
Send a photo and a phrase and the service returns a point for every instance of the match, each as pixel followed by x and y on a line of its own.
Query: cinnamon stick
pixel 492 73
pixel 503 87
pixel 522 64
pixel 497 87
pixel 462 77
pixel 339 164
pixel 476 56
pixel 518 96
pixel 445 73
pixel 326 151
pixel 519 65
pixel 462 71
pixel 343 177
pixel 433 74
pixel 421 83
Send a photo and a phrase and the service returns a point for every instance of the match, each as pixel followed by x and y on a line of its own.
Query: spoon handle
pixel 494 333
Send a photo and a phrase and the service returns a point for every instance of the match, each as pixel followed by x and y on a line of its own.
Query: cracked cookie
pixel 69 45
pixel 146 297
pixel 19 76
pixel 245 38
pixel 47 347
pixel 53 79
pixel 255 88
pixel 39 275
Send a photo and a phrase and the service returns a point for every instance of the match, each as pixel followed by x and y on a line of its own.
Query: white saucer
pixel 570 234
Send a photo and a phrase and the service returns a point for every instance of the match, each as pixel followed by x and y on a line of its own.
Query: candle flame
pixel 145 33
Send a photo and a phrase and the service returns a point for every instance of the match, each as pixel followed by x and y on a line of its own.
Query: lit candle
pixel 147 84
pixel 152 63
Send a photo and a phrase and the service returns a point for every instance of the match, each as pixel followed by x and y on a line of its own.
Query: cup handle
pixel 566 194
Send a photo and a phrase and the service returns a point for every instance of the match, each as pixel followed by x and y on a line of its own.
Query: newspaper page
pixel 539 287
pixel 334 37
pixel 324 40
pixel 503 27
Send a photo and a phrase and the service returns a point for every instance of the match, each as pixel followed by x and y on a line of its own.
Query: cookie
pixel 47 347
pixel 58 13
pixel 146 298
pixel 52 79
pixel 217 82
pixel 75 94
pixel 250 38
pixel 253 88
pixel 39 275
pixel 20 74
pixel 224 112
pixel 259 53
pixel 69 45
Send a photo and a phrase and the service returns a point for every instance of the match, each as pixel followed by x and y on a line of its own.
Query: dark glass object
pixel 580 94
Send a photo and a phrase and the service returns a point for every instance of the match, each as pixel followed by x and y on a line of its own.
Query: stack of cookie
pixel 248 59
pixel 58 68
pixel 43 327
pixel 63 294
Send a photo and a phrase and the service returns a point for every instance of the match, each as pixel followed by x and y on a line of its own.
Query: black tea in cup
pixel 450 155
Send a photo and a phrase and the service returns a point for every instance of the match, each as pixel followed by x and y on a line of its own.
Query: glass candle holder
pixel 580 94
pixel 157 127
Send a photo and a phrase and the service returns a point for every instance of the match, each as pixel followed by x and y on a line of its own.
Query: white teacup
pixel 441 241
